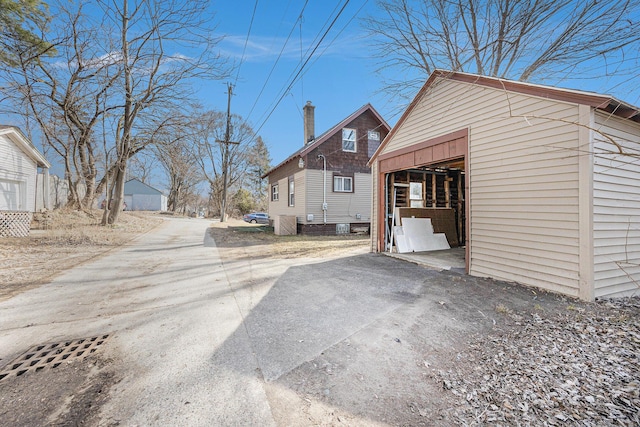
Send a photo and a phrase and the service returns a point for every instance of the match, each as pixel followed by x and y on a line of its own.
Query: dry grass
pixel 260 241
pixel 70 238
pixel 73 237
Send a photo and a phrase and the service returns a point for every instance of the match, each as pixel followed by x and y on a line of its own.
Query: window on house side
pixel 291 192
pixel 275 196
pixel 343 184
pixel 374 135
pixel 349 140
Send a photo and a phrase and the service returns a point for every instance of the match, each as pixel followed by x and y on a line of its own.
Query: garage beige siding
pixel 524 223
pixel 342 207
pixel 616 207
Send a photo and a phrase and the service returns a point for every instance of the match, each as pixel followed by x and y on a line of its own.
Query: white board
pixel 402 246
pixel 419 235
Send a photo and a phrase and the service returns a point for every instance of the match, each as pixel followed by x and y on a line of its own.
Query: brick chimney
pixel 309 122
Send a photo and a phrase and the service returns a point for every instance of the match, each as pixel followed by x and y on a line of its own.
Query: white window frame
pixel 292 191
pixel 415 194
pixel 374 135
pixel 346 139
pixel 342 179
pixel 275 193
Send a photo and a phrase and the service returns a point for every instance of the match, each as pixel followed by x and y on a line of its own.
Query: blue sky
pixel 338 79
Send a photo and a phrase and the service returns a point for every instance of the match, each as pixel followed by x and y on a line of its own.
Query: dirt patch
pixel 69 238
pixel 71 394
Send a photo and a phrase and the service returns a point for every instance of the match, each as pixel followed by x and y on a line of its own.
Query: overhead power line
pixel 295 78
pixel 246 41
pixel 277 59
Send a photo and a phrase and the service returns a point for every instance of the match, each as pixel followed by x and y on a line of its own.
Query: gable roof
pixel 17 137
pixel 605 103
pixel 326 135
pixel 135 186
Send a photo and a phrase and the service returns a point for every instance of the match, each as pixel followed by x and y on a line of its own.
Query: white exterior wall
pixel 17 178
pixel 342 207
pixel 616 207
pixel 523 170
pixel 145 202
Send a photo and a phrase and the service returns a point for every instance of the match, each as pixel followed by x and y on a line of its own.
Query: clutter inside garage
pixel 425 208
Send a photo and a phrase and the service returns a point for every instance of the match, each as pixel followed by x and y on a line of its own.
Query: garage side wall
pixel 523 170
pixel 616 207
pixel 17 178
pixel 146 202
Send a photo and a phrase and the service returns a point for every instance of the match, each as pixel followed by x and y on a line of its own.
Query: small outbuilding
pixel 540 185
pixel 19 163
pixel 139 196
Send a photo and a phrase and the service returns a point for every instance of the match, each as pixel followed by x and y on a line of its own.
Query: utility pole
pixel 225 154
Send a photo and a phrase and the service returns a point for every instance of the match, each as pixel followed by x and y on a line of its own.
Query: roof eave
pixel 16 135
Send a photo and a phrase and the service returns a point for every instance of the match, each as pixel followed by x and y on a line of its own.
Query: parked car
pixel 257 217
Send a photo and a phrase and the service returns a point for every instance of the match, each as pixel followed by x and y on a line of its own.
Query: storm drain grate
pixel 52 355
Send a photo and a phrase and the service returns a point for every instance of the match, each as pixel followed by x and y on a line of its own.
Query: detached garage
pixel 139 196
pixel 540 185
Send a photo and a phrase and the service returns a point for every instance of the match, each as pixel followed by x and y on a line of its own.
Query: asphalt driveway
pixel 201 335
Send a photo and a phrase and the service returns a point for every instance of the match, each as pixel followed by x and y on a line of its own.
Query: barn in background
pixel 139 196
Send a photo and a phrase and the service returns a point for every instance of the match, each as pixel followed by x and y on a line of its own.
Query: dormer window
pixel 349 140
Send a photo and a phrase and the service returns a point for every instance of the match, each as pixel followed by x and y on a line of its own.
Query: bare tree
pixel 161 46
pixel 65 95
pixel 177 157
pixel 515 39
pixel 142 165
pixel 258 163
pixel 211 152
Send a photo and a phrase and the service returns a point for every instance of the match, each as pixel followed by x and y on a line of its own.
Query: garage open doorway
pixel 430 180
pixel 434 191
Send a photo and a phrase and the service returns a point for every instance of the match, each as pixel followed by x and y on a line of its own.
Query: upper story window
pixel 275 195
pixel 349 140
pixel 374 135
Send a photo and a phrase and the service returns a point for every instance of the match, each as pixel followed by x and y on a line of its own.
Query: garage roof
pixel 601 102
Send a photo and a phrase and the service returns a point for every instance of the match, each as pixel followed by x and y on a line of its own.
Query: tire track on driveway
pixel 168 326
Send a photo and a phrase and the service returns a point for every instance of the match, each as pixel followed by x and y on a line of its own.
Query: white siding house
pixel 139 196
pixel 19 163
pixel 550 190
